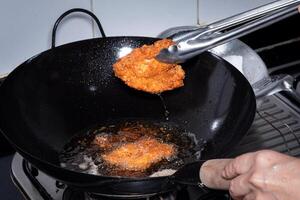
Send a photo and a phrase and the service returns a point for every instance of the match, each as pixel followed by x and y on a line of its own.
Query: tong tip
pixel 169 55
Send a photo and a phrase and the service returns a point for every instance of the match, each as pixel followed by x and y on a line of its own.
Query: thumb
pixel 211 174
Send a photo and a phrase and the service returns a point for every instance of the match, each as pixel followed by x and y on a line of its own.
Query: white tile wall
pixel 26 25
pixel 144 17
pixel 213 10
pixel 25 28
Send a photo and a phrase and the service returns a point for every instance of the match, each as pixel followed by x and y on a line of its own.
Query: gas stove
pixel 276 126
pixel 34 184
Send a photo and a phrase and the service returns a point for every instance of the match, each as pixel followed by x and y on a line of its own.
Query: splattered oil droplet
pixel 59 185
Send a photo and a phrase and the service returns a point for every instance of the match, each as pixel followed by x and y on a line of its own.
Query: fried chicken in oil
pixel 124 135
pixel 108 141
pixel 139 155
pixel 140 69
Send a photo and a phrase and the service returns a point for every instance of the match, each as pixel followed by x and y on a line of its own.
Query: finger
pixel 299 9
pixel 238 166
pixel 210 174
pixel 240 187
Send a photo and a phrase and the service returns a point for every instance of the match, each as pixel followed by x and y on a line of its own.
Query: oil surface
pixel 82 154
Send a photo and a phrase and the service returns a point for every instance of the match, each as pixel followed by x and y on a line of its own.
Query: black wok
pixel 49 98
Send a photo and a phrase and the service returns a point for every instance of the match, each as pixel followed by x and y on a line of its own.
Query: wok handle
pixel 72 11
pixel 205 173
pixel 274 84
pixel 189 174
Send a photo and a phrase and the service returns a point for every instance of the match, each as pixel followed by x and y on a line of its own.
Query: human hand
pixel 266 175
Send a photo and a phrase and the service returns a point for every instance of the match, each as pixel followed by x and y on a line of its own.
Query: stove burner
pixel 74 195
pixel 188 193
pixel 167 196
pixel 34 184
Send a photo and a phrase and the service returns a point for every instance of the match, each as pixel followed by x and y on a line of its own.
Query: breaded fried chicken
pixel 140 70
pixel 139 155
pixel 124 135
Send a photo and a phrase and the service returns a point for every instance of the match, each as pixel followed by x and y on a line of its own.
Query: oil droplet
pixel 166 111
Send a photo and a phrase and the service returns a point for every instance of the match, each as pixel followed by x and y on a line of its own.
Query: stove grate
pixel 276 126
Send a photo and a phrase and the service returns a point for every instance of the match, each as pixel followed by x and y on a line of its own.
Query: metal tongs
pixel 194 41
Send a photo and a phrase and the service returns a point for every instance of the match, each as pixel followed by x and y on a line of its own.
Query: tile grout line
pixel 93 22
pixel 198 10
